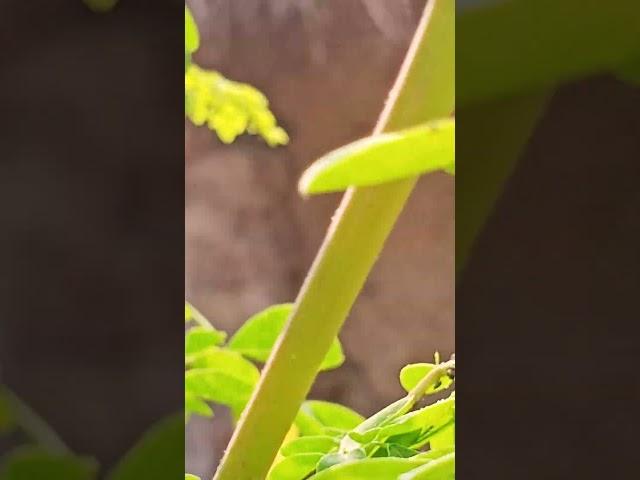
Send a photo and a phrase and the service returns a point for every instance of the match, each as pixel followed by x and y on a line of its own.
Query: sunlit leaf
pixel 427 419
pixel 310 444
pixel 443 468
pixel 194 405
pixel 315 417
pixel 394 450
pixel 229 362
pixel 188 476
pixel 332 459
pixel 198 339
pixel 294 467
pixel 444 439
pixel 368 469
pixel 257 337
pixel 384 158
pixel 218 386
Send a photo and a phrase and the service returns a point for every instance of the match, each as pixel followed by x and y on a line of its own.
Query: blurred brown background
pixel 326 68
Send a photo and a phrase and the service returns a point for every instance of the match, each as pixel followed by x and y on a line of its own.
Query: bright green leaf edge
pixel 384 158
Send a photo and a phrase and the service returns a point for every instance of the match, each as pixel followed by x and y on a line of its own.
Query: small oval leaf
pixel 384 158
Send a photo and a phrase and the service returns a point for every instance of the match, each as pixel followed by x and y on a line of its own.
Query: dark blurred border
pixel 547 240
pixel 92 218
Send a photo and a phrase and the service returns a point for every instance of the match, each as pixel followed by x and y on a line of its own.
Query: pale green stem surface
pixel 424 91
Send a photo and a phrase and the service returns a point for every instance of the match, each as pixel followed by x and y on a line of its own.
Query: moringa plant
pixel 279 435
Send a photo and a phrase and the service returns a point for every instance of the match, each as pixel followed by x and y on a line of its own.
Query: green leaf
pixel 294 467
pixel 217 386
pixel 257 337
pixel 368 469
pixel 384 158
pixel 34 463
pixel 369 429
pixel 428 419
pixel 194 405
pixel 198 339
pixel 443 468
pixel 315 417
pixel 411 375
pixel 191 33
pixel 227 107
pixel 394 450
pixel 311 444
pixel 443 439
pixel 332 459
pixel 228 362
pixel 159 454
pixel 188 476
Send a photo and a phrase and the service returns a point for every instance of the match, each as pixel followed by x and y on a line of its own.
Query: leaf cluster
pixel 225 372
pixel 400 442
pixel 229 108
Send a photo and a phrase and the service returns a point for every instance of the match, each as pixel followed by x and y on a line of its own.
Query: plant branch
pixel 424 91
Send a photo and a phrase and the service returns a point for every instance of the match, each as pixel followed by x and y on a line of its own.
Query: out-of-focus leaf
pixel 384 158
pixel 411 375
pixel 100 6
pixel 316 417
pixel 229 108
pixel 159 454
pixel 630 72
pixel 7 422
pixel 191 33
pixel 34 463
pixel 188 476
pixel 257 337
pixel 294 467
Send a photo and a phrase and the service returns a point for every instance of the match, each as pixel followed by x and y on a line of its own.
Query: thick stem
pixel 424 91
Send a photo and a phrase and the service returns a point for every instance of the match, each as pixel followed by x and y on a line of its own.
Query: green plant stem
pixel 431 379
pixel 424 91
